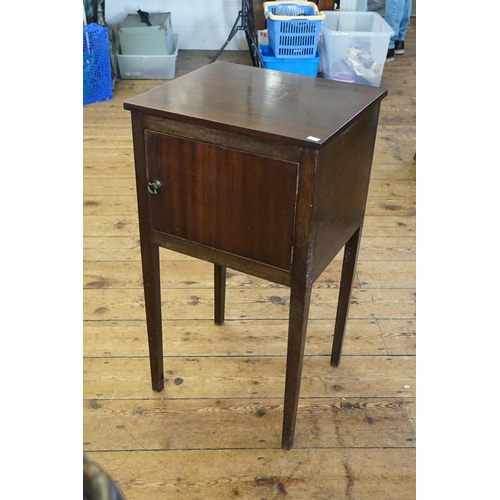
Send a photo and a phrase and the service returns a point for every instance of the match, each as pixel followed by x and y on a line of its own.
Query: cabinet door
pixel 237 202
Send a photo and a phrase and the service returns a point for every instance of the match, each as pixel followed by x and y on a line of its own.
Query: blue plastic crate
pixel 301 66
pixel 97 82
pixel 293 28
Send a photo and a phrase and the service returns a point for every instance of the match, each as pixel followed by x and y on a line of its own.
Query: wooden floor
pixel 215 430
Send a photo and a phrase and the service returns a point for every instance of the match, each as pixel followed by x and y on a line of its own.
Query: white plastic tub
pixel 136 67
pixel 353 47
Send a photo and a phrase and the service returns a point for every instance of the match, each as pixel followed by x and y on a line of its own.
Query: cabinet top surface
pixel 297 109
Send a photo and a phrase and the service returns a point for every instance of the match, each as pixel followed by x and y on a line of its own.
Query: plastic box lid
pixel 134 20
pixel 355 22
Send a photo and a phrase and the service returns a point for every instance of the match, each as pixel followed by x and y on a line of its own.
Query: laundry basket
pixel 293 28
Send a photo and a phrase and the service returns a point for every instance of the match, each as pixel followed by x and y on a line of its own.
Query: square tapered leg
pixel 346 283
pixel 219 293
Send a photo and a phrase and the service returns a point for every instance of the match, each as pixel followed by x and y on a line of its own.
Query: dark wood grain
pixel 150 261
pixel 343 178
pixel 282 213
pixel 348 269
pixel 215 256
pixel 219 293
pixel 260 103
pixel 226 199
pixel 300 295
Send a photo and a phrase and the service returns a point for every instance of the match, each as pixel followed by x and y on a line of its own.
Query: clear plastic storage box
pixel 138 39
pixel 353 47
pixel 139 67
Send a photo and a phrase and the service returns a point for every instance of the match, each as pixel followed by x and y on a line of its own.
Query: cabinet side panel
pixel 344 169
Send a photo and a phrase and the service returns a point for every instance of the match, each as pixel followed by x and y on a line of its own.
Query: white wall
pixel 201 24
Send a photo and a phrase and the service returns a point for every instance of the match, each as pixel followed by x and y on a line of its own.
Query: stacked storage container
pixel 353 47
pixel 293 30
pixel 147 51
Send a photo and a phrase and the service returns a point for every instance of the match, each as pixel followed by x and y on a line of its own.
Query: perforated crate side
pixel 294 38
pixel 290 35
pixel 97 82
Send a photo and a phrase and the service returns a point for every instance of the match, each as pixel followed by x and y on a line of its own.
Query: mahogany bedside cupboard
pixel 261 171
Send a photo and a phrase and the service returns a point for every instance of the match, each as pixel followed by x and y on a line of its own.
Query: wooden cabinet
pixel 261 171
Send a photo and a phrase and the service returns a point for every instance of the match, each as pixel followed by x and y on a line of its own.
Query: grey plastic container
pixel 136 38
pixel 147 67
